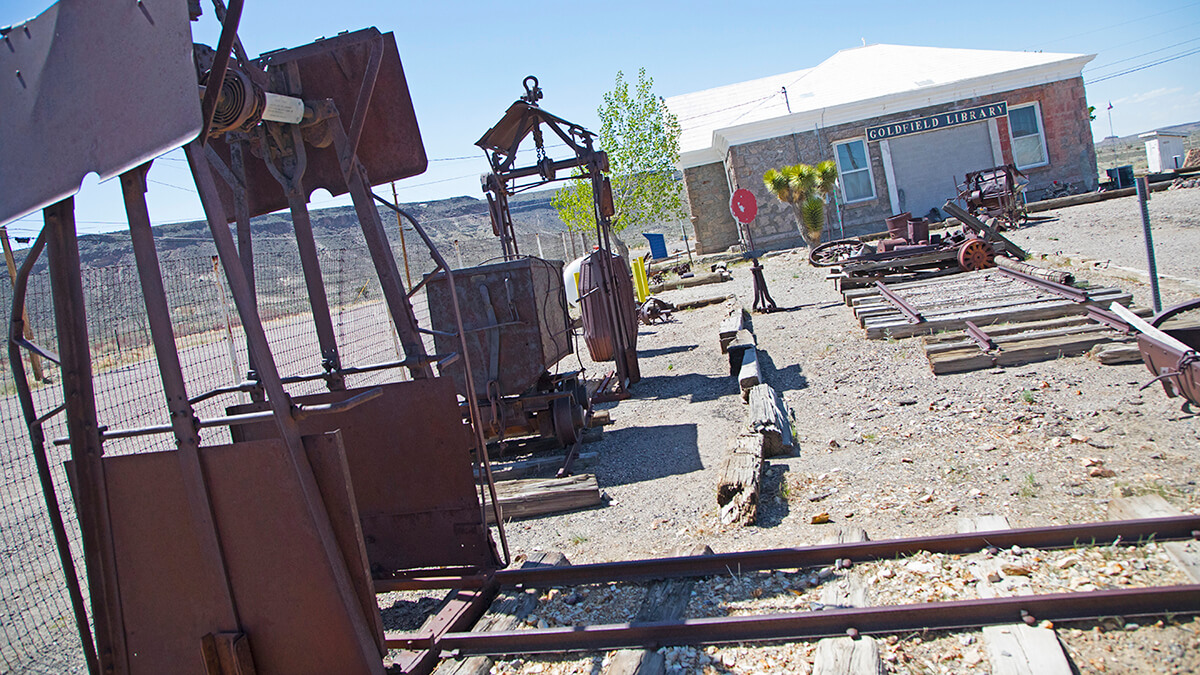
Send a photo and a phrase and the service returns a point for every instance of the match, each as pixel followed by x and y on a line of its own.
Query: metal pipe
pixel 37 441
pixel 1143 193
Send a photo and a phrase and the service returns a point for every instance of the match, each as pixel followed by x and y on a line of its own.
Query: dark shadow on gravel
pixel 635 454
pixel 693 386
pixel 787 379
pixel 662 351
pixel 771 511
pixel 409 615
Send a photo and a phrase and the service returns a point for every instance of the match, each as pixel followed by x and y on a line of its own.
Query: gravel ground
pixel 886 446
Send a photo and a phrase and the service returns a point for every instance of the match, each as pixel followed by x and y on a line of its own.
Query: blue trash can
pixel 658 245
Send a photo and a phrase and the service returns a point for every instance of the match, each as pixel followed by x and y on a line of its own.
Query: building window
pixel 854 171
pixel 1028 138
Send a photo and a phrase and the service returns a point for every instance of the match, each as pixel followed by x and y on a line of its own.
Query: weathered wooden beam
pixel 740 479
pixel 844 655
pixel 523 498
pixel 878 329
pixel 749 374
pixel 769 417
pixel 730 326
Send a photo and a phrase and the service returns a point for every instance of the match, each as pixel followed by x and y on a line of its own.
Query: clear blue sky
pixel 465 62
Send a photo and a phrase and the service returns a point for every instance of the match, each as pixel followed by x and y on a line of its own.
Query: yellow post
pixel 640 282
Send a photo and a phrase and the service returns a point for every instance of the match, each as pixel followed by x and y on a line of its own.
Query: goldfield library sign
pixel 940 121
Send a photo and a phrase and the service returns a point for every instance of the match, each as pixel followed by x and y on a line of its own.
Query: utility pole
pixel 35 361
pixel 403 246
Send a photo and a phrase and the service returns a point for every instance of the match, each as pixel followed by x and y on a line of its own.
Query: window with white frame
pixel 854 170
pixel 1028 137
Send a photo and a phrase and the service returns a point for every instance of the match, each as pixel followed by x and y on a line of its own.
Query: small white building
pixel 1164 150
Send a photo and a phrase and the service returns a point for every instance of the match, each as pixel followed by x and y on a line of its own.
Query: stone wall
pixel 1068 142
pixel 706 193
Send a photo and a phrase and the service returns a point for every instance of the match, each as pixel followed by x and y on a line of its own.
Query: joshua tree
pixel 805 188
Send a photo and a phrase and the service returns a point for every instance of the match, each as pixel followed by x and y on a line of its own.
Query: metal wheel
pixel 975 254
pixel 833 252
pixel 568 423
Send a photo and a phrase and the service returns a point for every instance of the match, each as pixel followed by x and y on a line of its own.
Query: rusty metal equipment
pixel 269 541
pixel 1170 346
pixel 517 329
pixel 998 192
pixel 613 310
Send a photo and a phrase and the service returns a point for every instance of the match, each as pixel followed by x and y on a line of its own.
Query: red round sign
pixel 743 205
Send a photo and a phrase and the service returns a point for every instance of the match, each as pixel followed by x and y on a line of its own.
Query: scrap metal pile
pixel 259 541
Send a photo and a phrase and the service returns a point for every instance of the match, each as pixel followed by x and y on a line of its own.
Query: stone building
pixel 904 125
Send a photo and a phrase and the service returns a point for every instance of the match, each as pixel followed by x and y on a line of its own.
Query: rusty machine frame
pixel 611 312
pixel 283 537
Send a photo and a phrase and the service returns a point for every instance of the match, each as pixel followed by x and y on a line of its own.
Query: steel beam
pixel 1062 290
pixel 899 303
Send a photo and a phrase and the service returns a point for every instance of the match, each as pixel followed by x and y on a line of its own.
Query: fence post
pixel 1143 194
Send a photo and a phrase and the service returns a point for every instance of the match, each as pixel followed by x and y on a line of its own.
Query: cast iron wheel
pixel 975 254
pixel 833 252
pixel 568 423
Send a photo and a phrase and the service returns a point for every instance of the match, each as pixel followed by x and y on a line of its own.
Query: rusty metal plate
pixel 409 457
pixel 91 86
pixel 515 316
pixel 335 68
pixel 286 596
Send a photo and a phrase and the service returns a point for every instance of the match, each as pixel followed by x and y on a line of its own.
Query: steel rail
pixel 1109 319
pixel 950 615
pixel 1062 290
pixel 1175 527
pixel 985 341
pixel 899 303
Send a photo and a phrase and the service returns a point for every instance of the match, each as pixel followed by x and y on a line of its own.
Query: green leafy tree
pixel 805 188
pixel 641 138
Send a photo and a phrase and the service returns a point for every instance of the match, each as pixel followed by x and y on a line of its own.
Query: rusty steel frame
pixel 944 615
pixel 899 303
pixel 500 144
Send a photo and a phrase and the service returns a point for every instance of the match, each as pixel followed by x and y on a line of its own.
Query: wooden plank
pixel 1018 353
pixel 527 497
pixel 740 479
pixel 666 600
pixel 742 341
pixel 1000 330
pixel 878 330
pixel 701 302
pixel 1015 649
pixel 749 374
pixel 769 417
pixel 1114 354
pixel 527 467
pixel 1003 341
pixel 1149 330
pixel 1186 554
pixel 730 327
pixel 844 655
pixel 507 613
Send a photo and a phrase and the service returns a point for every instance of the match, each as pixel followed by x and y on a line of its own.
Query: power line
pixel 1144 66
pixel 1138 56
pixel 1122 24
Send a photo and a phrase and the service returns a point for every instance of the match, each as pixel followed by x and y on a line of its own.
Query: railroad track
pixel 449 632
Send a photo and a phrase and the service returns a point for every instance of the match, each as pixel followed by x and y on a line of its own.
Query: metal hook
pixel 533 93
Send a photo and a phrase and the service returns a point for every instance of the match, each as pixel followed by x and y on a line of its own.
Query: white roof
pixel 854 84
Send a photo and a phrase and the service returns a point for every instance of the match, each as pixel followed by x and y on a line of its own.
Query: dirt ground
pixel 885 445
